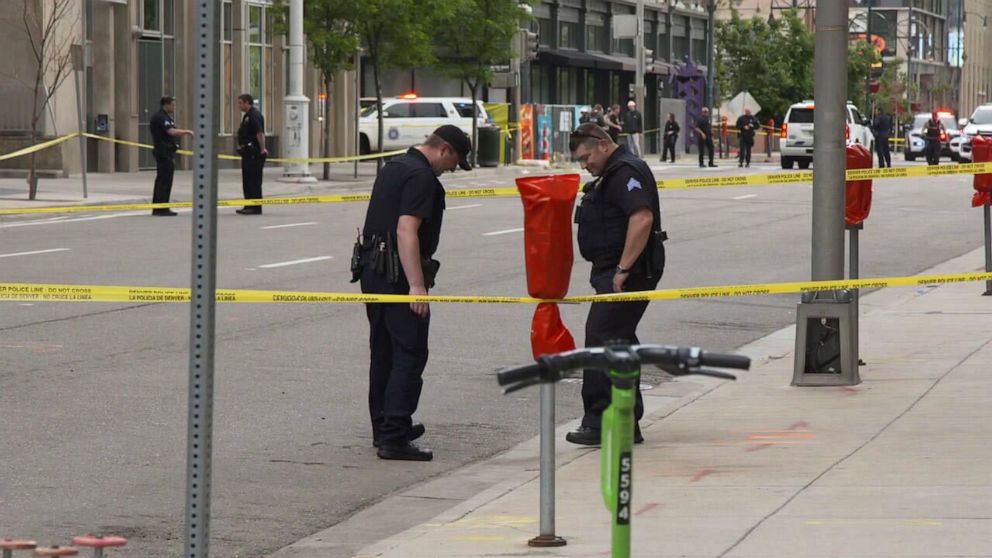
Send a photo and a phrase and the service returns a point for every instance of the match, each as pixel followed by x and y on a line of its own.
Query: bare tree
pixel 47 24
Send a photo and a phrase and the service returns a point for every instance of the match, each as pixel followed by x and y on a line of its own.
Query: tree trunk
pixel 328 82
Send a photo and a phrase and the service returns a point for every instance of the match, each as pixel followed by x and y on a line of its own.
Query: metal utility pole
pixel 830 92
pixel 639 54
pixel 868 75
pixel 296 131
pixel 826 330
pixel 199 437
pixel 711 8
pixel 78 54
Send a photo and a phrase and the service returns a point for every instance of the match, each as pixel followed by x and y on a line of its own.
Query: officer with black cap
pixel 165 137
pixel 620 232
pixel 394 256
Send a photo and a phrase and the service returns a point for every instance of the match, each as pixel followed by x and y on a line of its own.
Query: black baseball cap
pixel 459 141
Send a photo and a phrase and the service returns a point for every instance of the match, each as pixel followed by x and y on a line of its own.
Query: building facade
pixel 138 51
pixel 976 56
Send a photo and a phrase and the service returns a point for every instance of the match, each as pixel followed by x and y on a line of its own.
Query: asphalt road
pixel 93 396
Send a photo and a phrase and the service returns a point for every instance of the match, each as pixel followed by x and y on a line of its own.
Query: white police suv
pixel 797 133
pixel 408 120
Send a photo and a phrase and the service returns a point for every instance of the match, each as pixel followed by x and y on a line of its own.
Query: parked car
pixel 797 133
pixel 916 144
pixel 409 119
pixel 980 123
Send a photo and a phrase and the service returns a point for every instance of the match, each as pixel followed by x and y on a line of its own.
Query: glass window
pixel 228 22
pixel 569 34
pixel 428 110
pixel 464 109
pixel 170 19
pixel 399 110
pixel 151 16
pixel 624 46
pixel 801 116
pixel 982 116
pixel 254 24
pixel 545 32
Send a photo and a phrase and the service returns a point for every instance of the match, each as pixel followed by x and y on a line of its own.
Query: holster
pixel 653 258
pixel 430 268
pixel 357 260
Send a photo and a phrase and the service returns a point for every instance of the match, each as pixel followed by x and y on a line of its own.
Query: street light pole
pixel 639 53
pixel 868 75
pixel 711 8
pixel 296 131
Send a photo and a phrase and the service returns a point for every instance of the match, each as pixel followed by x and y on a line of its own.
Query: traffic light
pixel 530 45
pixel 648 61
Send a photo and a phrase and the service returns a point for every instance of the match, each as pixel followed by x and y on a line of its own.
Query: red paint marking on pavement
pixel 758 447
pixel 702 475
pixel 799 425
pixel 647 508
pixel 851 391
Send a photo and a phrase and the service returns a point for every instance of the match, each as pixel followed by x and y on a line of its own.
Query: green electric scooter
pixel 623 364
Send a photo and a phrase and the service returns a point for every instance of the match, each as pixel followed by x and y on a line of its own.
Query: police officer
pixel 165 140
pixel 746 126
pixel 620 233
pixel 672 130
pixel 932 132
pixel 401 233
pixel 251 147
pixel 881 128
pixel 704 135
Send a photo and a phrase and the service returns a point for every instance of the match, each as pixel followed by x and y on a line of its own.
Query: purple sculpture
pixel 689 85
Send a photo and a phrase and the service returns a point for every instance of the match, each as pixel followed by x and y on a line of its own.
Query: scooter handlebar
pixel 520 373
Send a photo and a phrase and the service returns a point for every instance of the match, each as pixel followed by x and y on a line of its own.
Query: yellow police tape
pixel 102 293
pixel 39 147
pixel 67 137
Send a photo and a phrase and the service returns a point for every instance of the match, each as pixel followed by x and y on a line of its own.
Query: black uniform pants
pixel 398 343
pixel 609 322
pixel 251 177
pixel 933 152
pixel 706 145
pixel 884 153
pixel 165 168
pixel 669 147
pixel 744 155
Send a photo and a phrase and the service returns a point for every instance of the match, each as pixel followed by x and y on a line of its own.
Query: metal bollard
pixel 10 545
pixel 99 542
pixel 547 535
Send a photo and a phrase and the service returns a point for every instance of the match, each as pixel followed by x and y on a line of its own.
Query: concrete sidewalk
pixel 897 466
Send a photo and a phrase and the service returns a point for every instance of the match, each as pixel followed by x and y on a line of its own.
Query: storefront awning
pixel 576 59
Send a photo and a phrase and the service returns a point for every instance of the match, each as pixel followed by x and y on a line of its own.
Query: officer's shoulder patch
pixel 633 184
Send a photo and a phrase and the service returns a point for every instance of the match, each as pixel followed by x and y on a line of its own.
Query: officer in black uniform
pixel 933 131
pixel 251 147
pixel 746 126
pixel 881 128
pixel 165 140
pixel 620 233
pixel 402 230
pixel 672 130
pixel 704 136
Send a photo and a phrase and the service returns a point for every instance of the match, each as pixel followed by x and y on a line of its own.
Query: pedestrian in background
pixel 746 126
pixel 620 234
pixel 934 132
pixel 251 147
pixel 671 137
pixel 598 117
pixel 633 124
pixel 614 126
pixel 401 233
pixel 881 128
pixel 704 136
pixel 165 140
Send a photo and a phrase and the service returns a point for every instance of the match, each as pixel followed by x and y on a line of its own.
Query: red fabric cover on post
pixel 858 197
pixel 548 334
pixel 981 152
pixel 548 205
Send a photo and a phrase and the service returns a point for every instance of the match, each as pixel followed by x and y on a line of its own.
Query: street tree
pixel 396 34
pixel 861 56
pixel 771 59
pixel 331 31
pixel 473 36
pixel 48 26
